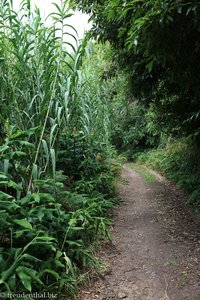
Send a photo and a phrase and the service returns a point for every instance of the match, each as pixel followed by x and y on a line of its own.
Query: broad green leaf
pixel 25 279
pixel 3 148
pixel 51 272
pixel 33 274
pixel 24 223
pixel 9 205
pixel 4 196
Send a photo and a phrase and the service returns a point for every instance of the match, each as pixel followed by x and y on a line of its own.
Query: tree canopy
pixel 159 42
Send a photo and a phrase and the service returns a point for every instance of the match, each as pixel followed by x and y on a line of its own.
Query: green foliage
pixel 64 227
pixel 132 125
pixel 162 62
pixel 152 80
pixel 180 163
pixel 56 163
pixel 132 131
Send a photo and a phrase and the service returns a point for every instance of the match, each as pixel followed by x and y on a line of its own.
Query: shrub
pixel 180 163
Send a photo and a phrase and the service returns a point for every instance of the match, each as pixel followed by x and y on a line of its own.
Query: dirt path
pixel 156 245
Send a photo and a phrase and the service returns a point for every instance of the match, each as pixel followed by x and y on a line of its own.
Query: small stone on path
pixel 122 295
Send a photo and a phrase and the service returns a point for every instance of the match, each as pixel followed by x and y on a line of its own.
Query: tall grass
pixel 39 80
pixel 55 178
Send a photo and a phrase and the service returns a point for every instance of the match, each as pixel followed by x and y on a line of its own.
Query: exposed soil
pixel 155 251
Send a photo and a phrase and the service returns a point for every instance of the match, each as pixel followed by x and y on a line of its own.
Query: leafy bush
pixel 56 172
pixel 180 163
pixel 64 227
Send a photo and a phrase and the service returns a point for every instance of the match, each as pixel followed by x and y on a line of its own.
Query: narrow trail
pixel 155 251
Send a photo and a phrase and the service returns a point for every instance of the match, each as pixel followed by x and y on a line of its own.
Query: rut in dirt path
pixel 156 245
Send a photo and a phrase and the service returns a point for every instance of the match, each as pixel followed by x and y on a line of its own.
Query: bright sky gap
pixel 79 20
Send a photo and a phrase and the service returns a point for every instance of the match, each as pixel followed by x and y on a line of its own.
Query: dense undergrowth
pixel 56 163
pixel 180 163
pixel 63 104
pixel 141 132
pixel 155 107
